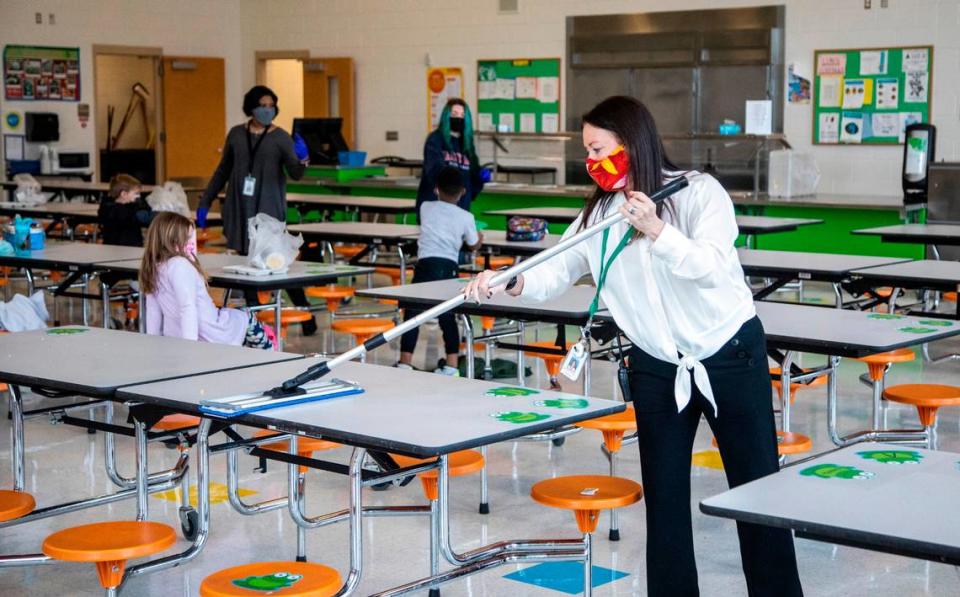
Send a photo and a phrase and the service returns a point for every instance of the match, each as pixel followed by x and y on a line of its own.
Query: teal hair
pixel 466 138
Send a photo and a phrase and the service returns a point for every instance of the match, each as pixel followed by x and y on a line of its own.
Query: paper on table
pixel 506 89
pixel 853 93
pixel 486 122
pixel 549 123
pixel 830 92
pixel 528 122
pixel 506 123
pixel 487 90
pixel 851 127
pixel 831 64
pixel 548 89
pixel 888 92
pixel 829 130
pixel 885 124
pixel 759 118
pixel 916 60
pixel 906 119
pixel 916 87
pixel 526 88
pixel 873 62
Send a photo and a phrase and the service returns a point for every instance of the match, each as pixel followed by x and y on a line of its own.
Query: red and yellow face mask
pixel 610 173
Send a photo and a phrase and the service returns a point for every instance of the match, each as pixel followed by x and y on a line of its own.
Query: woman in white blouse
pixel 677 292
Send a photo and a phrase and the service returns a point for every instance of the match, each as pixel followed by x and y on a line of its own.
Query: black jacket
pixel 122 223
pixel 435 157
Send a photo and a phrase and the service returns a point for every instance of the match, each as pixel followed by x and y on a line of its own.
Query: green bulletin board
pixel 868 96
pixel 521 95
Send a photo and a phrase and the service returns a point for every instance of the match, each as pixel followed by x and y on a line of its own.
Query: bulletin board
pixel 868 96
pixel 33 73
pixel 519 95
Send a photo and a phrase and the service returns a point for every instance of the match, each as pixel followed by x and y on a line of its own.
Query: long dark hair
pixel 632 123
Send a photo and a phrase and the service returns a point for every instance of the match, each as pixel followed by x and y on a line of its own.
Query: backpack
pixel 526 229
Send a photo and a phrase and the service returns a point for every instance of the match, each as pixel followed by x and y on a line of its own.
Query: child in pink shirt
pixel 175 289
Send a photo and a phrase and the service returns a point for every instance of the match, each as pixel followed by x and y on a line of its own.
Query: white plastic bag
pixel 270 246
pixel 22 313
pixel 169 197
pixel 28 190
pixel 792 174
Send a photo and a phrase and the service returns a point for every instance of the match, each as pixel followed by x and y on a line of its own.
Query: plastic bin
pixel 352 158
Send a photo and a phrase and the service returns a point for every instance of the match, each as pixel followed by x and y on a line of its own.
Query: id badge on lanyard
pixel 572 365
pixel 250 181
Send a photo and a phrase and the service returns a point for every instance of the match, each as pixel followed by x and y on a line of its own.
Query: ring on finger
pixel 632 211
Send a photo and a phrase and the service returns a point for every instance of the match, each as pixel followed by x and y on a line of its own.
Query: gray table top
pixel 842 332
pixel 411 412
pixel 572 307
pixel 498 239
pixel 767 224
pixel 830 200
pixel 807 266
pixel 53 208
pixel 926 273
pixel 373 204
pixel 95 362
pixel 934 234
pixel 875 496
pixel 367 232
pixel 300 273
pixel 74 254
pixel 551 214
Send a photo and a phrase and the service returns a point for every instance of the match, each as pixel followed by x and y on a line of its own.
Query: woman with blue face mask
pixel 257 159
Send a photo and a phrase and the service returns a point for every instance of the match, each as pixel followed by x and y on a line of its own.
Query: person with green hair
pixel 451 144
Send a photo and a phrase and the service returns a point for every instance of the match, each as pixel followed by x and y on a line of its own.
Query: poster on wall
pixel 443 83
pixel 41 73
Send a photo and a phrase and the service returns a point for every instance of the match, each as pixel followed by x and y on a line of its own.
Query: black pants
pixel 430 269
pixel 746 435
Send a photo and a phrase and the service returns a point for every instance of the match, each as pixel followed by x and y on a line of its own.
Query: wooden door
pixel 328 92
pixel 194 115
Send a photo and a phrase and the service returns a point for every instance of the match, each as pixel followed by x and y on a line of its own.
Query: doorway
pixel 127 92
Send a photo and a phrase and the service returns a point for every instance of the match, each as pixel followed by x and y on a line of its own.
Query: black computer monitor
pixel 323 138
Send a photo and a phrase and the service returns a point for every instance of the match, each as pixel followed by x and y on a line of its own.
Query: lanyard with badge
pixel 577 356
pixel 250 181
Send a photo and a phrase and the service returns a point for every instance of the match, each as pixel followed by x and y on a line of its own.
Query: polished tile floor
pixel 65 463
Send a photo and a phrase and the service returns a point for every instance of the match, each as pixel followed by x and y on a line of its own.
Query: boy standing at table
pixel 444 229
pixel 123 214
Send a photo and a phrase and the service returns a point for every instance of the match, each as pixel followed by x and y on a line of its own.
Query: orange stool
pixel 788 442
pixel 392 272
pixel 459 464
pixel 878 365
pixel 306 446
pixel 486 324
pixel 363 329
pixel 586 495
pixel 551 361
pixel 206 235
pixel 109 545
pixel 332 293
pixel 778 385
pixel 950 296
pixel 927 397
pixel 613 428
pixel 496 261
pixel 287 579
pixel 348 251
pixel 176 422
pixel 288 315
pixel 14 504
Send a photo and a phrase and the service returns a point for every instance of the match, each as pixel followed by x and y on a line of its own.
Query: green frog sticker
pixel 65 331
pixel 519 418
pixel 510 391
pixel 574 403
pixel 916 329
pixel 268 582
pixel 940 323
pixel 836 471
pixel 884 316
pixel 892 456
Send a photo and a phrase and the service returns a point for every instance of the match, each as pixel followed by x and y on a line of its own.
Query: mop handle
pixel 319 370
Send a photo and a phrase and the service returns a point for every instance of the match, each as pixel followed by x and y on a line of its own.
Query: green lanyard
pixel 605 265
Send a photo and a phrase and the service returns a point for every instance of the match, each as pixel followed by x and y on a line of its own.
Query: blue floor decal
pixel 566 577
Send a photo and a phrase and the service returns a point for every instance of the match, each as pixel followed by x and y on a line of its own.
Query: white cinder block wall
pixel 389 40
pixel 180 27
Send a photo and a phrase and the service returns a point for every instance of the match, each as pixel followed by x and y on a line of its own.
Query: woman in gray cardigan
pixel 257 159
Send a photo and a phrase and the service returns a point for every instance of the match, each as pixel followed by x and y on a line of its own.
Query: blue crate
pixel 352 158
